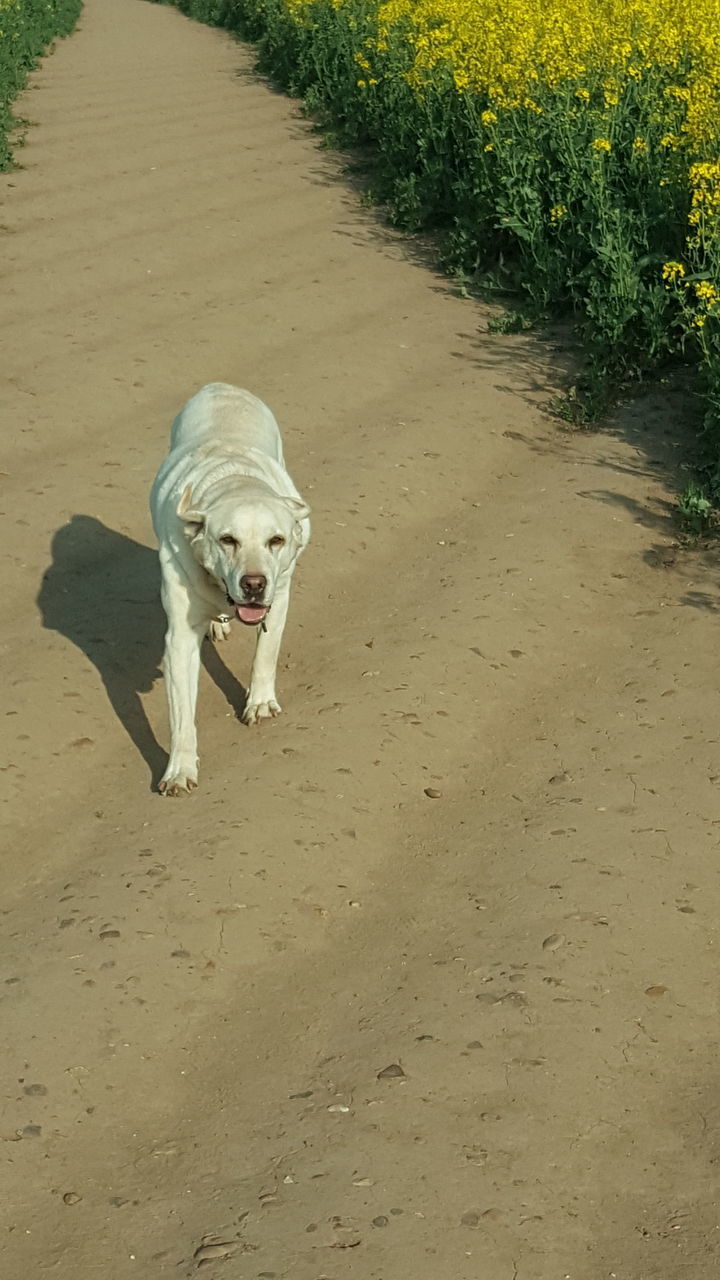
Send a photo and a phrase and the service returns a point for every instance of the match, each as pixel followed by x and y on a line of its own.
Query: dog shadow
pixel 102 591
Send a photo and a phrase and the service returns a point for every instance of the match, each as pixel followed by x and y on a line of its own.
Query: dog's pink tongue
pixel 251 614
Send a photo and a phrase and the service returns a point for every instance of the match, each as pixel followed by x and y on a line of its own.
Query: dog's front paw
pixel 260 710
pixel 177 782
pixel 218 631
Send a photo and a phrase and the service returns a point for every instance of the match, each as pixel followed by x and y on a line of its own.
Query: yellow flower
pixel 673 271
pixel 656 61
pixel 705 177
pixel 558 212
pixel 678 92
pixel 706 292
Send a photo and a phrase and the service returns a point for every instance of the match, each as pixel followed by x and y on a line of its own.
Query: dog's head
pixel 245 545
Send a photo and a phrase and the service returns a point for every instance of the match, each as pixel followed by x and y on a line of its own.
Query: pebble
pixel 553 941
pixel 393 1072
pixel 211 1252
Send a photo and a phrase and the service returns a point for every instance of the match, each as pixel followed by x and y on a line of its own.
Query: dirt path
pixel 198 996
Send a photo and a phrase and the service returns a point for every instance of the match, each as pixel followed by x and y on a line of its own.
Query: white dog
pixel 230 524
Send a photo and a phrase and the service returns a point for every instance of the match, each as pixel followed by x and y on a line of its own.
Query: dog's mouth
pixel 249 612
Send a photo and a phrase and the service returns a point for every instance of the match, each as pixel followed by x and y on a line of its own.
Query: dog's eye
pixel 277 541
pixel 227 540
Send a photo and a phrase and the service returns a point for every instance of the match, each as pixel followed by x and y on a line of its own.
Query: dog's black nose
pixel 253 584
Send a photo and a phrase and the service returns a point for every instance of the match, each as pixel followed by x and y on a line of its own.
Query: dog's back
pixel 229 417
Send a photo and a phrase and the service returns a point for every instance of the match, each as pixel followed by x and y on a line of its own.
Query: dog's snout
pixel 253 584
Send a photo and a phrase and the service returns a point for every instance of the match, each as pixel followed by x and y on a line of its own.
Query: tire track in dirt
pixel 198 997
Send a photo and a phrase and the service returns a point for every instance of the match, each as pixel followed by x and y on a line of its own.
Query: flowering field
pixel 26 29
pixel 565 149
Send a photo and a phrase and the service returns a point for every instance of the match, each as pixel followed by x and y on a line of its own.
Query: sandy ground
pixel 200 997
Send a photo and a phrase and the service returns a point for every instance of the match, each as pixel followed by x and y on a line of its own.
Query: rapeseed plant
pixel 26 28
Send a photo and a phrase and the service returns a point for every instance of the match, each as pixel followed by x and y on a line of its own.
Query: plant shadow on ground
pixel 102 592
pixel 657 421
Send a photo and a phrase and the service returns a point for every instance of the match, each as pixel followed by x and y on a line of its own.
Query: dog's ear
pixel 194 521
pixel 299 508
